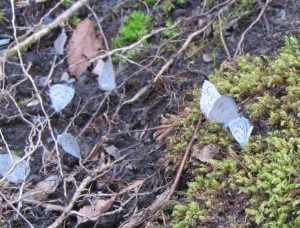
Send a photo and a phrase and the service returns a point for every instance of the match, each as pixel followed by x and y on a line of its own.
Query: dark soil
pixel 108 127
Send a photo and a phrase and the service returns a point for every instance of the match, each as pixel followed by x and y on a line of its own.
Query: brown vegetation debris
pixel 82 45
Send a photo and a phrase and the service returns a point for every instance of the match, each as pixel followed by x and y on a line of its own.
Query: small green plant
pixel 75 20
pixel 1 16
pixel 214 54
pixel 168 6
pixel 171 33
pixel 135 27
pixel 150 3
pixel 68 3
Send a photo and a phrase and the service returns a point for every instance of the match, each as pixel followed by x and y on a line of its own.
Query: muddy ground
pixel 98 121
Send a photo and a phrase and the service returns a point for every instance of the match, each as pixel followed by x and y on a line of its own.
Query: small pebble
pixel 64 77
pixel 207 57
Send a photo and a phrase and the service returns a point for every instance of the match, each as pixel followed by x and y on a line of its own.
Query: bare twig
pixel 67 209
pixel 223 41
pixel 238 49
pixel 186 154
pixel 16 210
pixel 137 219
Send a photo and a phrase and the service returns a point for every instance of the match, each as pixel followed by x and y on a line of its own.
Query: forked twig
pixel 238 49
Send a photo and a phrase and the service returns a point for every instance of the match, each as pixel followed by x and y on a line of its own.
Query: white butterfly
pixel 240 129
pixel 217 108
pixel 223 109
pixel 61 95
pixel 107 76
pixel 69 144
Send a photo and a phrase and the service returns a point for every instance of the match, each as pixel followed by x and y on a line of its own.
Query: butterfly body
pixel 223 109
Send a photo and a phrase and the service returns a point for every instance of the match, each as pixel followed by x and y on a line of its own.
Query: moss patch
pixel 259 182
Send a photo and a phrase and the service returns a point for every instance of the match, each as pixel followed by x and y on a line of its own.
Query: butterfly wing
pixel 240 129
pixel 209 95
pixel 223 110
pixel 61 96
pixel 107 76
pixel 69 144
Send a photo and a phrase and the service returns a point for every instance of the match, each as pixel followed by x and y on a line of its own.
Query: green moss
pixel 1 16
pixel 172 32
pixel 150 3
pixel 134 28
pixel 68 3
pixel 263 176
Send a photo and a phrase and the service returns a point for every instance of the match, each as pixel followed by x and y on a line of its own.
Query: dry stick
pixel 41 21
pixel 94 115
pixel 51 70
pixel 38 35
pixel 186 154
pixel 77 194
pixel 265 20
pixel 151 210
pixel 148 129
pixel 238 50
pixel 15 209
pixel 223 41
pixel 75 197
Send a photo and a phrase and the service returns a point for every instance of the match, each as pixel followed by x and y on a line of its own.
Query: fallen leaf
pixel 82 45
pixel 113 151
pixel 102 206
pixel 206 153
pixel 98 68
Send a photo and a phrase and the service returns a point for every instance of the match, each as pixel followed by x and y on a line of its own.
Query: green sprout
pixel 134 28
pixel 171 33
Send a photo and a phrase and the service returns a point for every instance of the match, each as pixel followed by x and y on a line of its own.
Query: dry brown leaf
pixel 206 153
pixel 82 45
pixel 102 206
pixel 98 68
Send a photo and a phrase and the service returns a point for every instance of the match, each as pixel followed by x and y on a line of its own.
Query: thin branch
pixel 186 154
pixel 238 49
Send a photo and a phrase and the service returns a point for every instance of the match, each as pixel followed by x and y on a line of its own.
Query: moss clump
pixel 134 28
pixel 258 184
